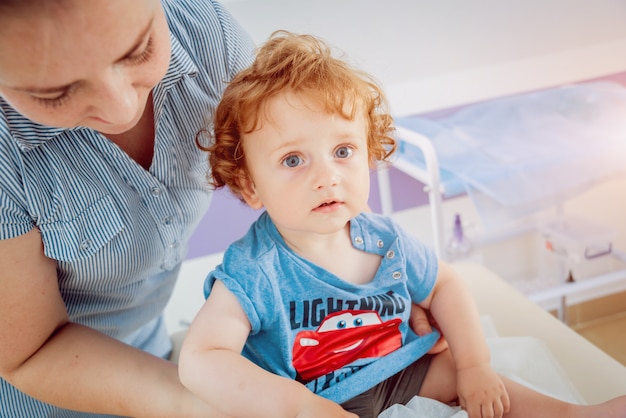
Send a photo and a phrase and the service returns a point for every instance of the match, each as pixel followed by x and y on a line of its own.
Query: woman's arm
pixel 211 365
pixel 69 365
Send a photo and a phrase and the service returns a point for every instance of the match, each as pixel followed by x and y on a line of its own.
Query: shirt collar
pixel 30 135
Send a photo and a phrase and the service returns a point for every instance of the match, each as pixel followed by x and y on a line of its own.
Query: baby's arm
pixel 479 387
pixel 212 367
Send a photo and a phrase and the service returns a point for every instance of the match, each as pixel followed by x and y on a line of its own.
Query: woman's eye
pixel 344 152
pixel 292 161
pixel 54 102
pixel 145 55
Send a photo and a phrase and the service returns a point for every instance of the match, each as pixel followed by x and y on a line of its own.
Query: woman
pixel 101 185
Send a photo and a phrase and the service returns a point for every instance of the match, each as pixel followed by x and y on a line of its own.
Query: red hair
pixel 305 65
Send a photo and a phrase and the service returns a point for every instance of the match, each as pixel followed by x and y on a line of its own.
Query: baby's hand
pixel 316 406
pixel 481 392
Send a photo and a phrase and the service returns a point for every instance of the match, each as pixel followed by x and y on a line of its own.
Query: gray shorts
pixel 399 388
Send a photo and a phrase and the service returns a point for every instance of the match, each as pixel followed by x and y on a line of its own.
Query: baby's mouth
pixel 328 205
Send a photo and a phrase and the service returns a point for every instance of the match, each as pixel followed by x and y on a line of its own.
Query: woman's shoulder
pixel 206 30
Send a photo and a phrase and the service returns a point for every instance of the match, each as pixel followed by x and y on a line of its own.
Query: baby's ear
pixel 248 191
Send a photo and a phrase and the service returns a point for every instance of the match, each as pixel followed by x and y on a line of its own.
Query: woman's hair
pixel 304 65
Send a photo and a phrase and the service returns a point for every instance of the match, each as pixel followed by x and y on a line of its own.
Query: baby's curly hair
pixel 302 64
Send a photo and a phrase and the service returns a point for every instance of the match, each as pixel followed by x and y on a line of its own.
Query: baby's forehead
pixel 273 108
pixel 316 101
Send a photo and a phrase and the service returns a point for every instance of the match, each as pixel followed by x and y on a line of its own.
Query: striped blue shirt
pixel 118 231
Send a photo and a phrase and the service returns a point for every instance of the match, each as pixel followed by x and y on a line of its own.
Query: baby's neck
pixel 336 254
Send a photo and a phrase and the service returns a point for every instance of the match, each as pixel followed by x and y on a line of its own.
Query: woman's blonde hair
pixel 301 64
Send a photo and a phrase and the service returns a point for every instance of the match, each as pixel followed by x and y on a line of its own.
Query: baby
pixel 308 315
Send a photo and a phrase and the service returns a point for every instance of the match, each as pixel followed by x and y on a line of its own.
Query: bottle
pixel 458 246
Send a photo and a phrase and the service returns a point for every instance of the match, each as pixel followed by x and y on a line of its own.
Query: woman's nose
pixel 118 99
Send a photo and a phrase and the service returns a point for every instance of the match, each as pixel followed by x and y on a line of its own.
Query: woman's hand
pixel 422 323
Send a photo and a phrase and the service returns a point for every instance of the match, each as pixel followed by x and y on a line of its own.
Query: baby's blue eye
pixel 292 161
pixel 358 322
pixel 343 152
pixel 341 324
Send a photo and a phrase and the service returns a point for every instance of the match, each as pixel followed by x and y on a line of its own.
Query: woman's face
pixel 83 63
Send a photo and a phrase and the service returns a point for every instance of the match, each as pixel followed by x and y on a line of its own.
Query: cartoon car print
pixel 342 338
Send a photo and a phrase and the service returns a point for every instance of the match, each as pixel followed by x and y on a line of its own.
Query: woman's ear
pixel 248 191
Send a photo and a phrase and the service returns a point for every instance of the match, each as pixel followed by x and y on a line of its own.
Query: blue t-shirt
pixel 338 338
pixel 118 232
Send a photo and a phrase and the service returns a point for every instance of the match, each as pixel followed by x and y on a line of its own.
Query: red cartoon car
pixel 342 338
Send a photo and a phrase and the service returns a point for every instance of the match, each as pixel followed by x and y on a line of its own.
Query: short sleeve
pixel 211 36
pixel 244 277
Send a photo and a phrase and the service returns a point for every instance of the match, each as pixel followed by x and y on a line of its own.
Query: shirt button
pixel 155 191
pixel 167 220
pixel 380 243
pixel 396 275
pixel 85 245
pixel 174 244
pixel 358 240
pixel 391 254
